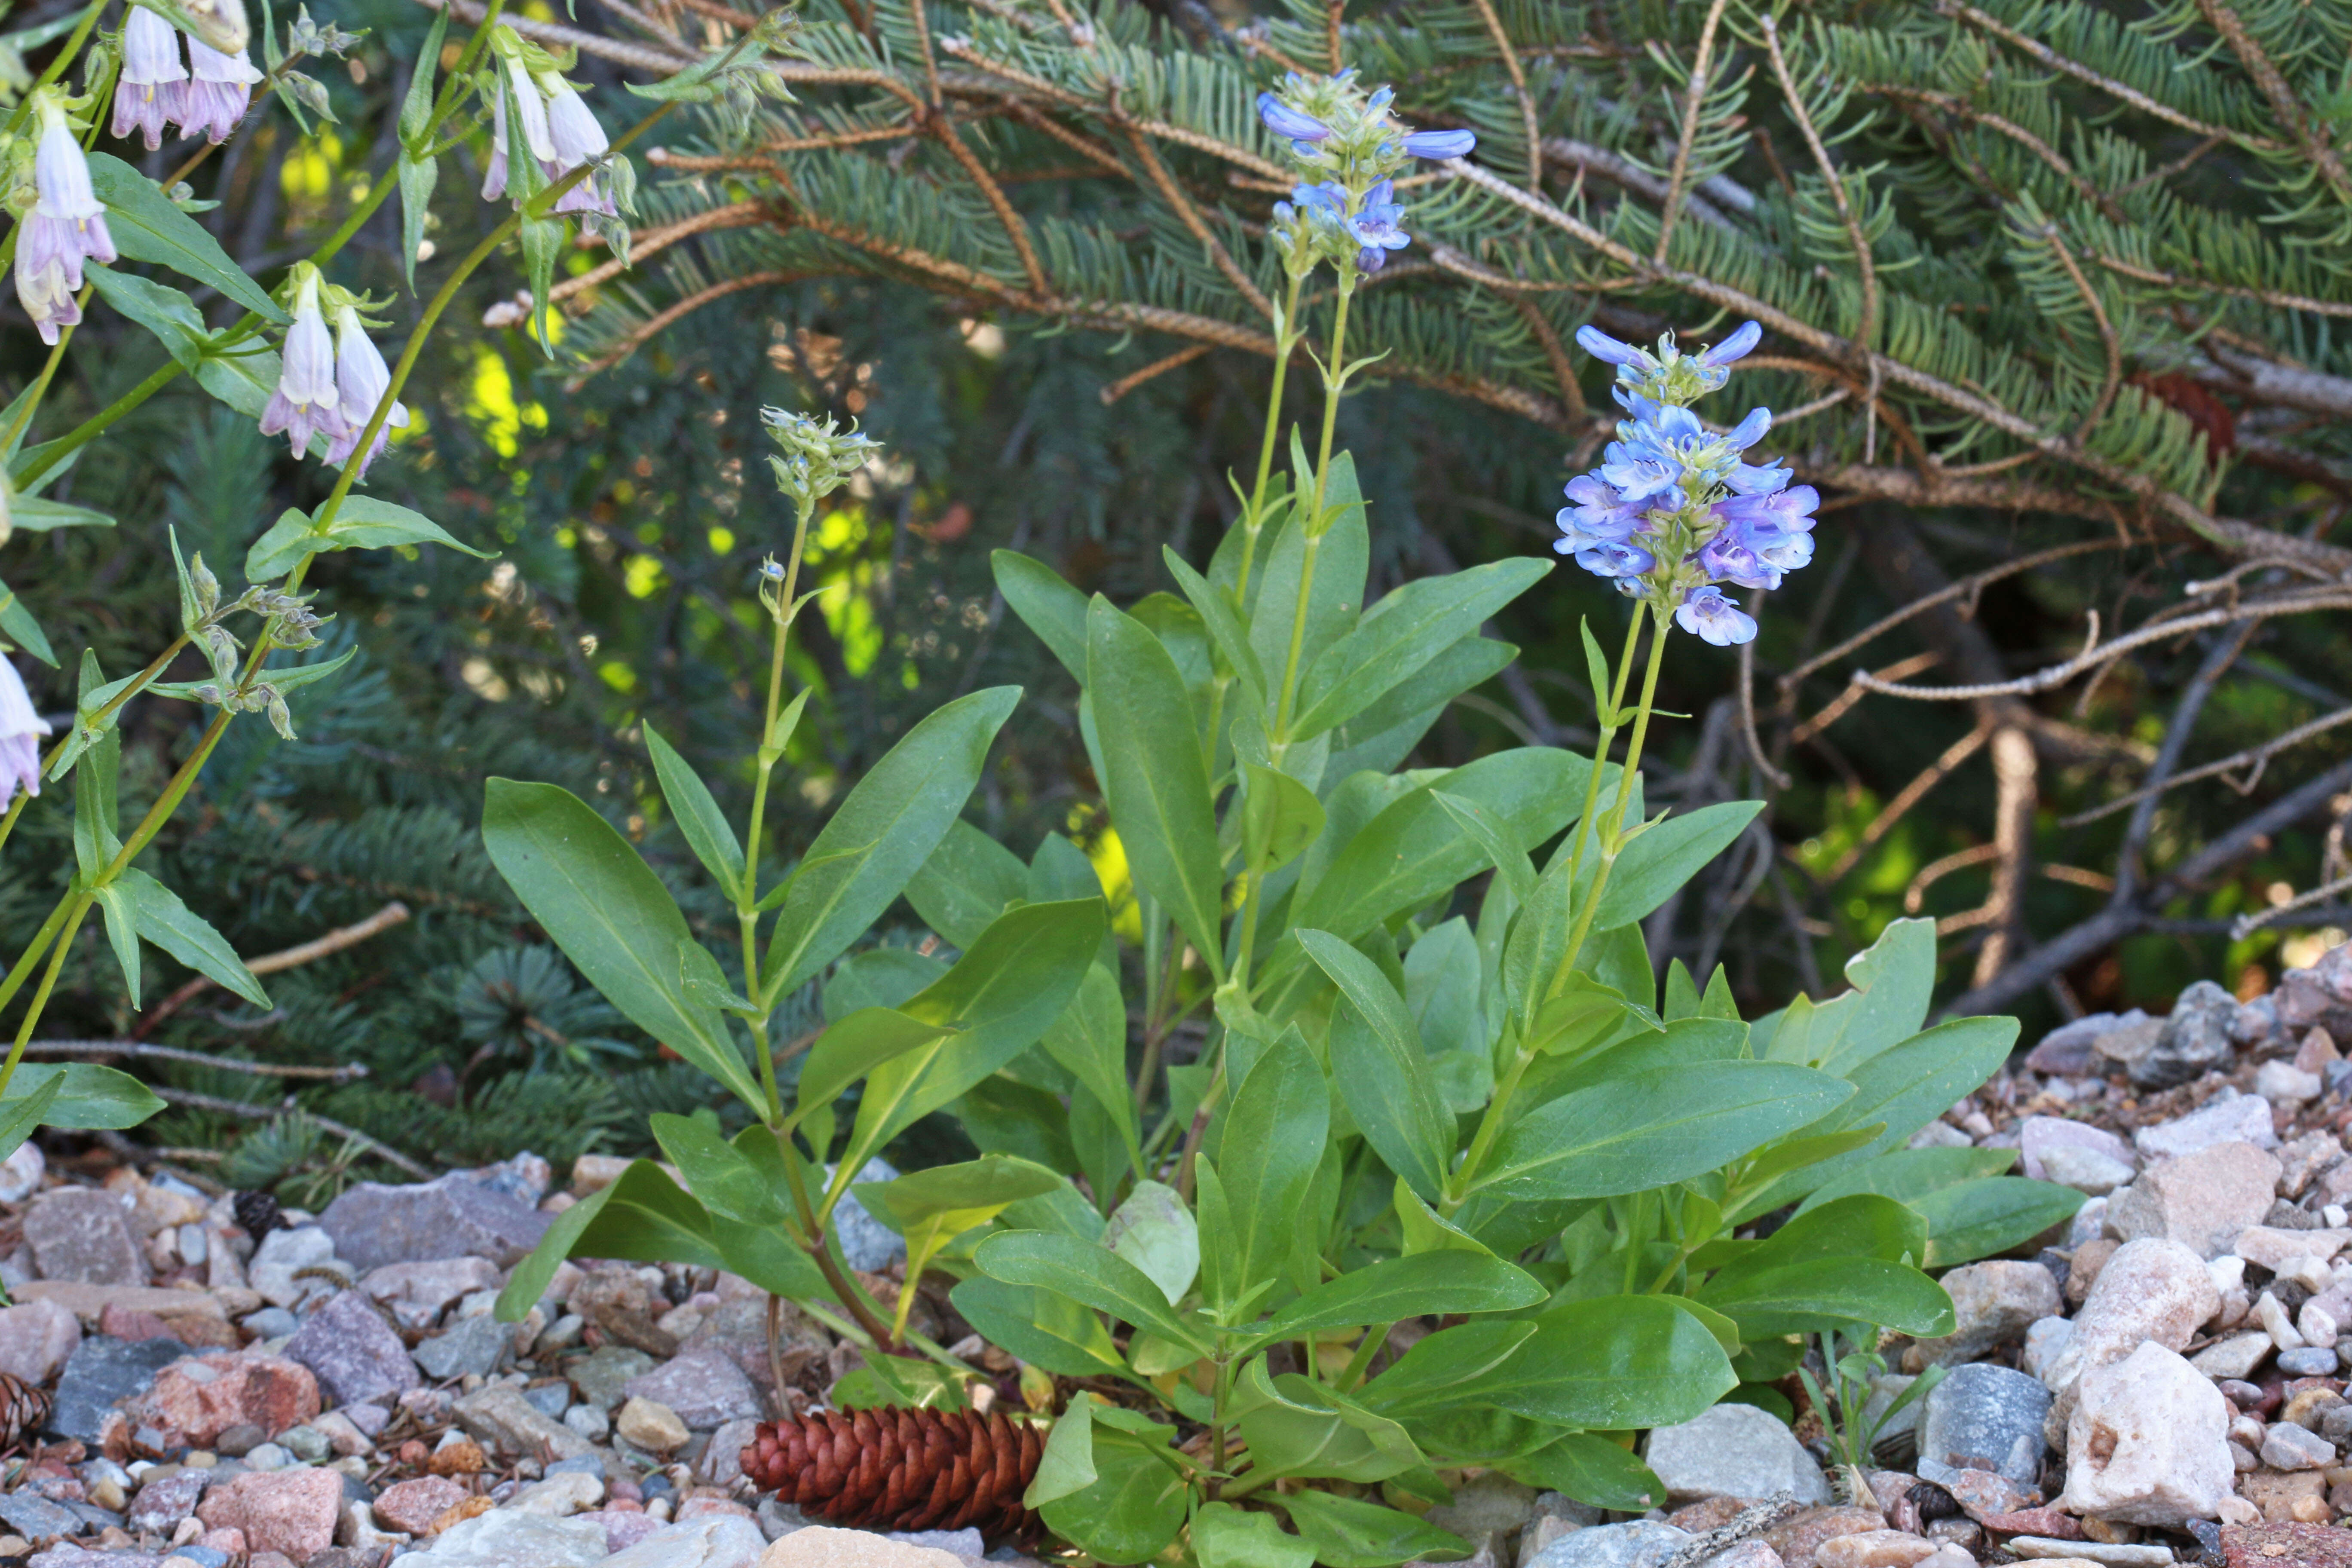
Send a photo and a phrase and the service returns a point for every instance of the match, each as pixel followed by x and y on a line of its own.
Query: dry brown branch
pixel 2313 140
pixel 2255 757
pixel 140 1051
pixel 646 242
pixel 1967 588
pixel 2263 295
pixel 2108 85
pixel 1127 384
pixel 1764 767
pixel 2114 354
pixel 1693 101
pixel 1617 171
pixel 238 1108
pixel 1915 896
pixel 1866 333
pixel 1015 229
pixel 1837 707
pixel 2260 918
pixel 1520 85
pixel 644 57
pixel 2094 653
pixel 2014 774
pixel 1174 193
pixel 634 337
pixel 1952 104
pixel 1909 795
pixel 310 952
pixel 1563 371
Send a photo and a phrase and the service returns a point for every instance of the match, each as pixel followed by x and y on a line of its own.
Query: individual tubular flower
pixel 1707 615
pixel 307 400
pixel 1286 121
pixel 1377 226
pixel 362 379
pixel 516 79
pixel 218 92
pixel 1440 145
pixel 1600 516
pixel 146 91
pixel 65 224
pixel 577 139
pixel 20 728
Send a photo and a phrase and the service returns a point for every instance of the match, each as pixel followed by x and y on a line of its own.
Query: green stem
pixel 1253 518
pixel 76 906
pixel 24 967
pixel 1586 819
pixel 1361 1363
pixel 813 1237
pixel 1612 840
pixel 747 893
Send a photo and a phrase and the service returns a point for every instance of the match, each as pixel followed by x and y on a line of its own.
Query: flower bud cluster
pixel 818 459
pixel 1348 215
pixel 1673 509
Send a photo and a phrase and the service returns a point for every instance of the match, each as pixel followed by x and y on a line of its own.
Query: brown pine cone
pixel 899 1469
pixel 23 1410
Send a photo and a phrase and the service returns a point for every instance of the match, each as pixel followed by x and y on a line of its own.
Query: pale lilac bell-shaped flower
pixel 20 727
pixel 307 399
pixel 532 107
pixel 577 139
pixel 67 223
pixel 494 177
pixel 147 89
pixel 363 378
pixel 217 94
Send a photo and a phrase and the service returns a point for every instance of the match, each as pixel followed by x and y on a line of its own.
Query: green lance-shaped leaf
pixel 707 832
pixel 362 522
pixel 1383 1074
pixel 1154 778
pixel 1270 1144
pixel 592 893
pixel 1052 608
pixel 17 624
pixel 1001 996
pixel 24 1111
pixel 883 832
pixel 1040 1327
pixel 1402 633
pixel 89 1097
pixel 966 883
pixel 170 925
pixel 146 226
pixel 1347 1533
pixel 1428 1283
pixel 1091 1274
pixel 1665 857
pixel 1651 1128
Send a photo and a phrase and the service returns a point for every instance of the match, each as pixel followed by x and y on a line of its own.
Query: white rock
pixel 714 1540
pixel 2085 1170
pixel 284 1254
pixel 2283 1083
pixel 504 1538
pixel 821 1546
pixel 2317 1326
pixel 2146 1443
pixel 2043 1341
pixel 1993 1303
pixel 1939 1134
pixel 2236 1356
pixel 560 1496
pixel 1734 1450
pixel 2268 1246
pixel 2274 1320
pixel 2150 1290
pixel 2287 1446
pixel 2245 1118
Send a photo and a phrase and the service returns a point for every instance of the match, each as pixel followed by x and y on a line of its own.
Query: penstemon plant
pixel 1453 1182
pixel 81 216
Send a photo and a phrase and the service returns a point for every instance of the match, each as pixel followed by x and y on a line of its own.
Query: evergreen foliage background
pixel 2102 316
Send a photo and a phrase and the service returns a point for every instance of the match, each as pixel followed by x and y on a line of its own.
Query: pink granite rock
pixel 292 1511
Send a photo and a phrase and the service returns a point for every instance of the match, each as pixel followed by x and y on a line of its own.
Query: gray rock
pixel 271 1323
pixel 2071 1049
pixel 1734 1450
pixel 523 1178
pixel 417 1292
pixel 2087 1171
pixel 2044 1341
pixel 2287 1446
pixel 864 1243
pixel 507 1538
pixel 1993 1302
pixel 2038 1135
pixel 101 1371
pixel 2194 1040
pixel 36 1517
pixel 1643 1543
pixel 705 1387
pixel 549 1399
pixel 498 1417
pixel 79 1233
pixel 1983 1416
pixel 2309 1362
pixel 283 1254
pixel 714 1540
pixel 352 1352
pixel 474 1346
pixel 2228 1118
pixel 375 1224
pixel 2235 1356
pixel 601 1375
pixel 778 1520
pixel 964 1543
pixel 590 1421
pixel 36 1338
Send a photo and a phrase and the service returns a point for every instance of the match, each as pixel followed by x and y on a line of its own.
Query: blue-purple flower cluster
pixel 1673 509
pixel 1337 131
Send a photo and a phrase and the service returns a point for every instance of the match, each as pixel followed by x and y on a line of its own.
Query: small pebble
pixel 2309 1362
